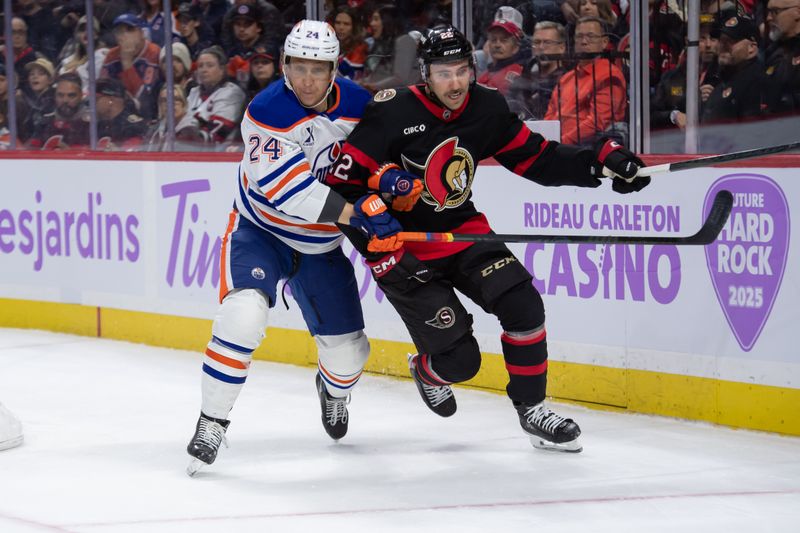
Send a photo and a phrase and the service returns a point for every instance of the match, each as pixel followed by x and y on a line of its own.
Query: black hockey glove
pixel 615 161
pixel 399 271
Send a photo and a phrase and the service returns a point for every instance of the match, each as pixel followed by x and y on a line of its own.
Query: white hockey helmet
pixel 312 39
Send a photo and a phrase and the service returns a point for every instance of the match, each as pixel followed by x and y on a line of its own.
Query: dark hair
pixel 358 26
pixel 393 23
pixel 217 52
pixel 71 77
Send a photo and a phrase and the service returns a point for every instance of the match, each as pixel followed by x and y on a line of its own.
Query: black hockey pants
pixel 440 326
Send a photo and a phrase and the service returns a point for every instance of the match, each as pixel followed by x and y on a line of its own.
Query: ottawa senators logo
pixel 448 175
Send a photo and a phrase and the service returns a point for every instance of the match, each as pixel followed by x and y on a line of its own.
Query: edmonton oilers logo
pixel 258 273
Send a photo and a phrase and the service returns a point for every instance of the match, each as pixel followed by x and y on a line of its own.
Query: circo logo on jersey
pixel 748 259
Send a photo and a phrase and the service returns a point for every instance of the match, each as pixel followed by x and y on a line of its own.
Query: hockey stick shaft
pixel 716 159
pixel 717 217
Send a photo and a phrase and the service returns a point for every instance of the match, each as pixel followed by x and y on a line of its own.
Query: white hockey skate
pixel 203 447
pixel 547 430
pixel 10 429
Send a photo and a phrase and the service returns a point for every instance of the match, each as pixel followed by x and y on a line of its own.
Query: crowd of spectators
pixel 564 60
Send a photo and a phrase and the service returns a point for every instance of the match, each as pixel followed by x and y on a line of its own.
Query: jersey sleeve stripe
pixel 294 190
pixel 281 169
pixel 525 165
pixel 519 139
pixel 299 169
pixel 273 128
pixel 360 157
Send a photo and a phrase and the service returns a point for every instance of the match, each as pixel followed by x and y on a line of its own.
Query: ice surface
pixel 107 423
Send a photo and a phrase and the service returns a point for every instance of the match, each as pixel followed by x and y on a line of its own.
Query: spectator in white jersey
pixel 283 228
pixel 215 105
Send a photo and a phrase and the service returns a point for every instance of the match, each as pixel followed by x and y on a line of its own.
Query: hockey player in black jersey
pixel 409 165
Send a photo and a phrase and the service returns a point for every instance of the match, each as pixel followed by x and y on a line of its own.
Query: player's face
pixel 310 79
pixel 450 82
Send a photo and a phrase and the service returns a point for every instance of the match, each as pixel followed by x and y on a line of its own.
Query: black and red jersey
pixel 443 147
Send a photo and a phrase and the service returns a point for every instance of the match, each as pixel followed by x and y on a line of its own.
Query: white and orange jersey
pixel 288 151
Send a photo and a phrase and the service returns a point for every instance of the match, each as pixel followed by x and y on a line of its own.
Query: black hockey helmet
pixel 443 44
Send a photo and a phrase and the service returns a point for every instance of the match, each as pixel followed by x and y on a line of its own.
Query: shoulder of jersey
pixel 352 99
pixel 487 96
pixel 276 107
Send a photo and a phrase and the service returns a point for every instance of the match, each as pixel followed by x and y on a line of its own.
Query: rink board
pixel 125 248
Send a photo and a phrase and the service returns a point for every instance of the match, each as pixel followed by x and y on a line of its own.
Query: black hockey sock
pixel 526 362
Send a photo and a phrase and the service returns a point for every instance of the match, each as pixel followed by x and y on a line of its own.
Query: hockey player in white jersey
pixel 10 429
pixel 283 228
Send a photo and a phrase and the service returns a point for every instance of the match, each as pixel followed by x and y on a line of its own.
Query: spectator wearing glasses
pixel 783 63
pixel 529 94
pixel 741 92
pixel 504 41
pixel 591 98
pixel 134 61
pixel 23 51
pixel 66 127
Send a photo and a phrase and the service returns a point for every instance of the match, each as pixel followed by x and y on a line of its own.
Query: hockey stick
pixel 716 159
pixel 720 209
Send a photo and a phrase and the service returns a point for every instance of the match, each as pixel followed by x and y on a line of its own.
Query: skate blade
pixel 11 443
pixel 194 467
pixel 573 446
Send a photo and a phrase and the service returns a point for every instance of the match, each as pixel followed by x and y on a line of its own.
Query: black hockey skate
pixel 203 447
pixel 440 400
pixel 334 411
pixel 547 430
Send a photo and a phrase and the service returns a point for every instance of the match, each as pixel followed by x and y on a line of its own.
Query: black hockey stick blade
pixel 717 217
pixel 717 159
